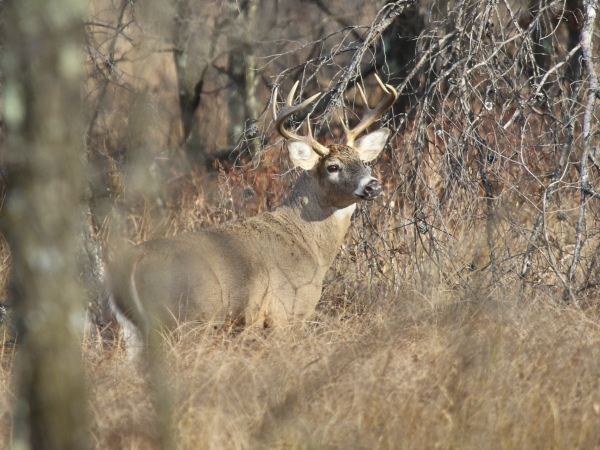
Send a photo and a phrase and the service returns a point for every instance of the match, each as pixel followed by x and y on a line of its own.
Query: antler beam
pixel 371 115
pixel 287 111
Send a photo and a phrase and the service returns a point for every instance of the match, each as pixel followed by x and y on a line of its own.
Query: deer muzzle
pixel 371 190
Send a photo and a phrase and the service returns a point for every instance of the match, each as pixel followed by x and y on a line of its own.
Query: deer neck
pixel 321 227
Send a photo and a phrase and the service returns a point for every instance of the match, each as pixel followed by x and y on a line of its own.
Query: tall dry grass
pixel 432 368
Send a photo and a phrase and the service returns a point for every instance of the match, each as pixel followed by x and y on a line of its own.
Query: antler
pixel 287 111
pixel 372 114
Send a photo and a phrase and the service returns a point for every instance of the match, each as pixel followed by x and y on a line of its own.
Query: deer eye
pixel 333 168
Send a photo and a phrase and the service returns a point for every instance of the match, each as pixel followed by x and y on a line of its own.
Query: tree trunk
pixel 241 96
pixel 189 84
pixel 42 67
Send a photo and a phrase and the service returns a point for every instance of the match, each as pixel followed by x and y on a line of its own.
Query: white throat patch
pixel 344 213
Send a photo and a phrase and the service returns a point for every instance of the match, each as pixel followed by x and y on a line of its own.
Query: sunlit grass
pixel 435 370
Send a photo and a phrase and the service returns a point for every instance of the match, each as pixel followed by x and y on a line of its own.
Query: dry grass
pixel 432 369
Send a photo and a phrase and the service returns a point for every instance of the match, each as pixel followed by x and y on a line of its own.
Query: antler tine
pixel 363 96
pixel 340 111
pixel 274 104
pixel 340 114
pixel 290 97
pixel 390 96
pixel 287 111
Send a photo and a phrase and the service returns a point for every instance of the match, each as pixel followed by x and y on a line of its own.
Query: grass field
pixel 429 369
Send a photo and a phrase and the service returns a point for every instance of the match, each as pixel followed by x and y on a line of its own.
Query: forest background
pixel 461 311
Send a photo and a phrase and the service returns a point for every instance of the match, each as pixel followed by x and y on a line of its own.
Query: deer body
pixel 260 272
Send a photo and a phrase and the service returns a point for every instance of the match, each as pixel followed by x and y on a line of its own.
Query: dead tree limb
pixel 587 33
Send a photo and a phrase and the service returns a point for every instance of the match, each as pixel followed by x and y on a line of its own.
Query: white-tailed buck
pixel 264 271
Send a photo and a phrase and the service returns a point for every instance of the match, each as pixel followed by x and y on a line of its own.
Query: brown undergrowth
pixel 429 369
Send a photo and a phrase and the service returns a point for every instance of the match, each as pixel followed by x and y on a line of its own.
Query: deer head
pixel 339 168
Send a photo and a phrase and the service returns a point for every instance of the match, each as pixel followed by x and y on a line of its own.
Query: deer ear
pixel 369 146
pixel 302 155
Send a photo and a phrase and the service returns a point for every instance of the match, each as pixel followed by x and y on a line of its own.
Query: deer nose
pixel 372 189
